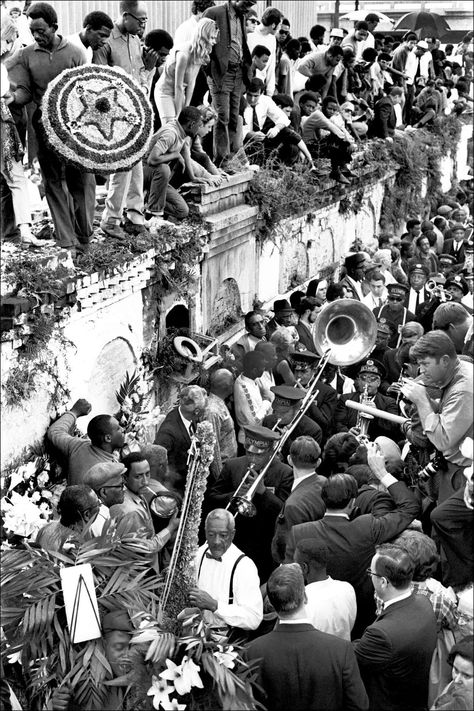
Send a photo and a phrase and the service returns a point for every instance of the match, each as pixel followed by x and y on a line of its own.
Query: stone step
pixel 231 217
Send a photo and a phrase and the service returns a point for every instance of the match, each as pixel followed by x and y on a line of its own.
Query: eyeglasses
pixel 140 20
pixel 284 32
pixel 394 298
pixel 371 573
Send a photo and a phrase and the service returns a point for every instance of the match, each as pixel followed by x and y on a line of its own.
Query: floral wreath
pixel 97 118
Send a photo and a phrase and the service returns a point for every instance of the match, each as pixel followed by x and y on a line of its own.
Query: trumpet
pixel 364 417
pixel 436 291
pixel 341 324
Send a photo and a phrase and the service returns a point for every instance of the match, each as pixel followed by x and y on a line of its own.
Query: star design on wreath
pixel 102 109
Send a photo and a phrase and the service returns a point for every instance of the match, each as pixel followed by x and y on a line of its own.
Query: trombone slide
pixel 376 412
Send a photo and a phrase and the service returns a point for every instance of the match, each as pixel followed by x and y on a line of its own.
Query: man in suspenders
pixel 228 586
pixel 395 312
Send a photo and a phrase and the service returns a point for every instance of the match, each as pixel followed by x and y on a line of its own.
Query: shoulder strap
pixel 231 582
pixel 200 564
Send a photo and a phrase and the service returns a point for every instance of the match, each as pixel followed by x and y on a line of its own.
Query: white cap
pixel 422 44
pixel 336 32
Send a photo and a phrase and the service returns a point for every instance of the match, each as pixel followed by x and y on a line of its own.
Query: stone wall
pixel 116 315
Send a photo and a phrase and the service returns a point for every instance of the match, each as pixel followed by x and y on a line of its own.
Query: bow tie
pixel 208 555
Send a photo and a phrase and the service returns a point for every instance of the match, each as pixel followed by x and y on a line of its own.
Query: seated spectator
pixel 384 122
pixel 168 155
pixel 308 102
pixel 78 506
pixel 266 128
pixel 357 128
pixel 260 59
pixel 426 106
pixel 255 332
pixel 105 434
pixel 324 137
pixel 330 604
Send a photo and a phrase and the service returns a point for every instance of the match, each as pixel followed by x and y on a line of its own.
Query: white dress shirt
pixel 213 576
pixel 331 606
pixel 374 302
pixel 250 407
pixel 403 596
pixel 265 108
pixel 413 297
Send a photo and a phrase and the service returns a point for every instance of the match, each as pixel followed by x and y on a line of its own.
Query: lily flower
pixel 160 690
pixel 226 656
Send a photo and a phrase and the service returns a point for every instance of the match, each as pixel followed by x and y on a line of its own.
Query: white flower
pixel 184 676
pixel 35 497
pixel 172 705
pixel 160 690
pixel 42 479
pixel 226 656
pixel 46 494
pixel 21 516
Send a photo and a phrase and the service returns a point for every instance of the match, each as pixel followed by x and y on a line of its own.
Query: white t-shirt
pixel 332 606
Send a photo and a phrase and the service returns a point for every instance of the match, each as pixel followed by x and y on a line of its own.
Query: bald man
pixel 221 387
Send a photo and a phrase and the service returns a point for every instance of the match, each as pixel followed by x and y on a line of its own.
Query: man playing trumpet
pixel 446 421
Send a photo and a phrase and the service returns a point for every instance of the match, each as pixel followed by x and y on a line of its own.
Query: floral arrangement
pixel 30 494
pixel 175 660
pixel 97 118
pixel 134 416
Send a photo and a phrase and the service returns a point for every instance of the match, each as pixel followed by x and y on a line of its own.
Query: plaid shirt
pixel 444 608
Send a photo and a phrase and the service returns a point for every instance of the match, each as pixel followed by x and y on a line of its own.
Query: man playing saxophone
pixel 368 383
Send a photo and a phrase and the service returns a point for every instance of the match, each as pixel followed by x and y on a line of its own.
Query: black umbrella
pixel 430 23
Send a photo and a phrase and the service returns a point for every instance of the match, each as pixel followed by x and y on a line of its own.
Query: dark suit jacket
pixel 345 418
pixel 253 535
pixel 174 437
pixel 449 249
pixel 395 320
pixel 306 339
pixel 394 655
pixel 303 669
pixel 303 504
pixel 219 61
pixel 306 427
pixel 384 122
pixel 372 501
pixel 352 545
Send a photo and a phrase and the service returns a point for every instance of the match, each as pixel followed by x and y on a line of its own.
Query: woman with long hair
pixel 175 87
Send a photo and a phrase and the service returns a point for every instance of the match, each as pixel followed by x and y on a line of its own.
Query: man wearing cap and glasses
pixel 254 534
pixel 370 375
pixel 106 479
pixel 324 405
pixel 394 311
pixel 286 404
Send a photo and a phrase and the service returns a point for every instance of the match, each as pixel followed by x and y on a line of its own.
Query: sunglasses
pixel 395 298
pixel 284 32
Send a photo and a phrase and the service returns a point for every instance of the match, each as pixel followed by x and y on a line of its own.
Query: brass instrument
pixel 376 412
pixel 345 333
pixel 436 291
pixel 363 417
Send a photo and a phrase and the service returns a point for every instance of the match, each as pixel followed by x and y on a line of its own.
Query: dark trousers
pixel 285 145
pixel 452 523
pixel 8 227
pixel 226 101
pixel 163 198
pixel 70 193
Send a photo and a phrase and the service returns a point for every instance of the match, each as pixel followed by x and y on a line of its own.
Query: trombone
pixel 345 333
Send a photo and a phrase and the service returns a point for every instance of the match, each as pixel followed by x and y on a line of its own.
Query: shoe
pixel 112 229
pixel 156 223
pixel 337 175
pixel 131 228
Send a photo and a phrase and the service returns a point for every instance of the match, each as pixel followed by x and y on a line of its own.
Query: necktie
pixel 417 303
pixel 192 429
pixel 208 555
pixel 255 124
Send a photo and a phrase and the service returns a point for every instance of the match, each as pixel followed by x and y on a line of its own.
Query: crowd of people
pixel 335 542
pixel 262 93
pixel 324 535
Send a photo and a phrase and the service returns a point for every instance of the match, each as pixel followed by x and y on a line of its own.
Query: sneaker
pixel 132 228
pixel 112 229
pixel 155 224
